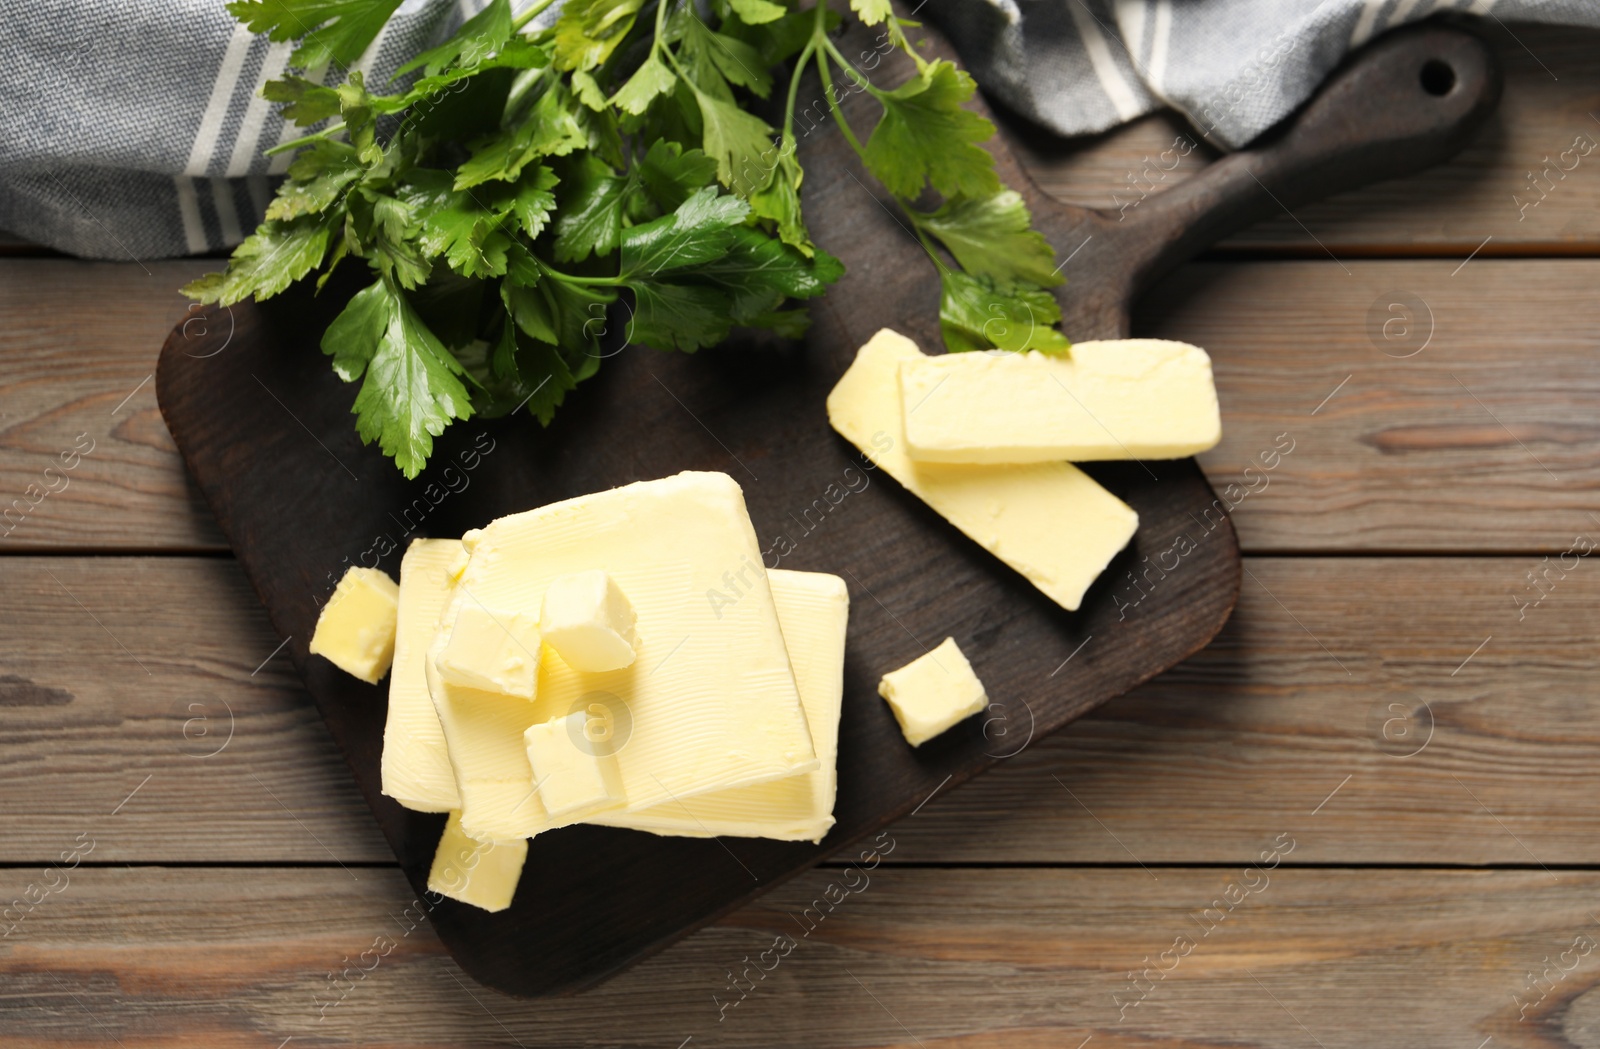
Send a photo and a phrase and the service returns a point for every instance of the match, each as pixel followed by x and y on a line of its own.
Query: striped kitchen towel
pixel 1232 68
pixel 134 129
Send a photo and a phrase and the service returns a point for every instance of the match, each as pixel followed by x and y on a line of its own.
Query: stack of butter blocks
pixel 565 665
pixel 988 440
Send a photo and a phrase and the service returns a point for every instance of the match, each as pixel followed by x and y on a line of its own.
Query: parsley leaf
pixel 670 173
pixel 977 313
pixel 993 236
pixel 737 140
pixel 336 31
pixel 411 391
pixel 757 12
pixel 652 78
pixel 669 315
pixel 592 213
pixel 589 30
pixel 276 255
pixel 479 37
pixel 701 229
pixel 548 129
pixel 306 103
pixel 925 136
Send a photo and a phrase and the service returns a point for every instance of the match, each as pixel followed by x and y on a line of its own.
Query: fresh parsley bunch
pixel 526 179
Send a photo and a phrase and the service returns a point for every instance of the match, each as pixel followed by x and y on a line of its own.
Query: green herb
pixel 529 184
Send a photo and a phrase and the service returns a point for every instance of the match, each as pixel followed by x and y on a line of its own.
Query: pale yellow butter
pixel 1114 399
pixel 482 873
pixel 710 702
pixel 494 650
pixel 587 619
pixel 576 775
pixel 416 762
pixel 1049 521
pixel 355 629
pixel 933 692
pixel 814 610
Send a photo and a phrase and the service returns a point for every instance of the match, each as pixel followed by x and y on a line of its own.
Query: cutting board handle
pixel 1405 102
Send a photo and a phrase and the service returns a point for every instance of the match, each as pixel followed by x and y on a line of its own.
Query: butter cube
pixel 355 630
pixel 573 774
pixel 588 621
pixel 1050 521
pixel 416 761
pixel 482 873
pixel 933 692
pixel 491 650
pixel 1113 399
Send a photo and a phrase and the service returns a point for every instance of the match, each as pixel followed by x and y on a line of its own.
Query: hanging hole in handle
pixel 1437 77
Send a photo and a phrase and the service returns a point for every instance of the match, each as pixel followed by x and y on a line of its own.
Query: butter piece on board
pixel 1113 399
pixel 813 609
pixel 1050 521
pixel 416 762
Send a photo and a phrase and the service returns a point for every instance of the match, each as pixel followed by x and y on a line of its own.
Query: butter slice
pixel 482 873
pixel 1115 399
pixel 495 650
pixel 416 762
pixel 1049 521
pixel 355 629
pixel 933 692
pixel 588 621
pixel 576 775
pixel 813 609
pixel 709 704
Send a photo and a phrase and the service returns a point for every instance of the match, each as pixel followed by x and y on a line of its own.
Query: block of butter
pixel 576 775
pixel 482 873
pixel 355 629
pixel 492 649
pixel 710 702
pixel 1049 521
pixel 588 621
pixel 932 692
pixel 813 609
pixel 416 762
pixel 1116 399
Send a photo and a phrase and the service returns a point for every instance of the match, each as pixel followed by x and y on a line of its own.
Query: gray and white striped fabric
pixel 1233 68
pixel 134 129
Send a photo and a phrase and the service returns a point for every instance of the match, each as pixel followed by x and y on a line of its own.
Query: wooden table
pixel 1365 815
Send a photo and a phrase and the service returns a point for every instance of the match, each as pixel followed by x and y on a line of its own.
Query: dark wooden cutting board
pixel 266 431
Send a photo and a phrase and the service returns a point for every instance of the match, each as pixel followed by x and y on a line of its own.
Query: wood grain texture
pixel 1401 458
pixel 78 345
pixel 1243 740
pixel 1470 426
pixel 1447 210
pixel 1011 959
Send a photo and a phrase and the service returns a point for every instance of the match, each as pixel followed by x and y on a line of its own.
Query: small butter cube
pixel 574 774
pixel 491 650
pixel 933 692
pixel 355 630
pixel 482 873
pixel 588 621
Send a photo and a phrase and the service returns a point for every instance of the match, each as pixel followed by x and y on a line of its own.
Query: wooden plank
pixel 1020 959
pixel 1402 457
pixel 1468 426
pixel 1448 210
pixel 85 460
pixel 1247 738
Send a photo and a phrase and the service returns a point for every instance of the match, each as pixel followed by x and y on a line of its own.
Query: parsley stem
pixel 833 103
pixel 530 14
